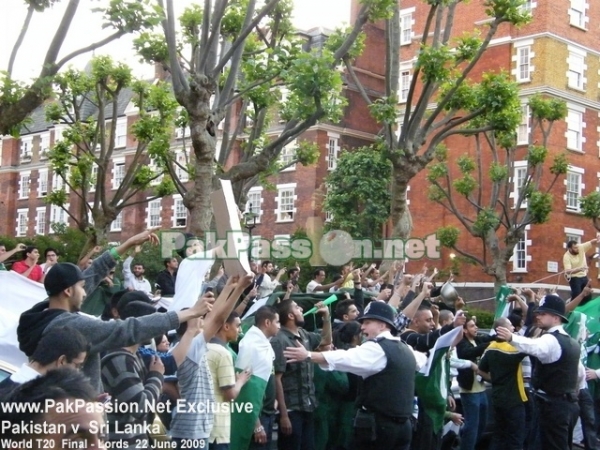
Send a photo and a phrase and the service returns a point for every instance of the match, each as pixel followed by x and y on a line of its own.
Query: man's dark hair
pixel 130 297
pixel 135 309
pixel 60 384
pixel 48 250
pixel 337 276
pixel 265 263
pixel 342 337
pixel 166 261
pixel 571 244
pixel 263 314
pixel 28 250
pixel 114 301
pixel 317 272
pixel 284 309
pixel 292 271
pixel 232 317
pixel 516 320
pixel 342 308
pixel 60 341
pixel 138 264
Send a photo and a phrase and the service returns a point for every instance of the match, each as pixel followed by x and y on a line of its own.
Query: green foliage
pixel 466 164
pixel 536 155
pixel 384 110
pixel 550 109
pixel 486 221
pixel 508 11
pixel 11 91
pixel 498 172
pixel 485 319
pixel 312 84
pixel 437 171
pixel 358 193
pixel 448 236
pixel 380 9
pixel 539 205
pixel 306 269
pixel 152 47
pixel 131 15
pixel 465 185
pixel 435 63
pixel 436 194
pixel 560 165
pixel 590 205
pixel 337 38
pixel 308 153
pixel 499 96
pixel 467 47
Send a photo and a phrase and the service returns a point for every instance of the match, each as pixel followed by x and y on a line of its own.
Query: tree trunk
pixel 499 276
pixel 400 214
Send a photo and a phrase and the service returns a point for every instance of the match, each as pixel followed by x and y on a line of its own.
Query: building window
pixel 121 133
pixel 328 216
pixel 118 172
pixel 286 197
pixel 574 188
pixel 58 183
pixel 181 167
pixel 576 73
pixel 577 13
pixel 254 202
pixel 40 220
pixel 520 254
pixel 182 132
pixel 406 23
pixel 405 80
pixel 58 133
pixel 288 156
pixel 22 222
pixel 333 151
pixel 24 181
pixel 58 215
pixel 527 6
pixel 153 213
pixel 117 224
pixel 42 183
pixel 93 177
pixel 524 129
pixel 179 212
pixel 519 180
pixel 524 63
pixel 26 148
pixel 44 145
pixel 572 234
pixel 575 130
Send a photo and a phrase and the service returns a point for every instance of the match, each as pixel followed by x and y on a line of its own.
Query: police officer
pixel 555 375
pixel 383 361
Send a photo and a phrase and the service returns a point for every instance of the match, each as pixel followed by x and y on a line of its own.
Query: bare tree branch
pixel 24 28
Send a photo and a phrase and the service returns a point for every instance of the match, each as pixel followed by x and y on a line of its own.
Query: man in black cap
pixel 65 286
pixel 555 375
pixel 383 418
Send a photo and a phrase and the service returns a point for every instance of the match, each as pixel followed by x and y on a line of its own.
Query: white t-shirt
pixel 190 278
pixel 310 287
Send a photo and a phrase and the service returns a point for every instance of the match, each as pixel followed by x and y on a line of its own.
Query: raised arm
pixel 6 255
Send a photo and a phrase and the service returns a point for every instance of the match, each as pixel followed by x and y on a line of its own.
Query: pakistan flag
pixel 255 353
pixel 432 381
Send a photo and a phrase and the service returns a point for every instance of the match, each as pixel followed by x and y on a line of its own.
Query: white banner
pixel 18 295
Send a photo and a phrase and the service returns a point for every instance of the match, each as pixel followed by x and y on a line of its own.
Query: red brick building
pixel 558 55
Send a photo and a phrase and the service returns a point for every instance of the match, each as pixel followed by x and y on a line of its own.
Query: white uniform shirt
pixel 366 360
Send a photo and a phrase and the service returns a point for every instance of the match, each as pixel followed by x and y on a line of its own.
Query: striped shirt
pixel 194 417
pixel 127 380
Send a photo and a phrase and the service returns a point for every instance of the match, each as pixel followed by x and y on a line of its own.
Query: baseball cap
pixel 61 277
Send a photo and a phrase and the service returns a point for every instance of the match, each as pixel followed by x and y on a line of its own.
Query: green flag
pixel 502 306
pixel 592 310
pixel 432 381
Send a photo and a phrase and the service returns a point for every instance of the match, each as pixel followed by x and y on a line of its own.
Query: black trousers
pixel 509 432
pixel 391 435
pixel 577 285
pixel 558 417
pixel 587 416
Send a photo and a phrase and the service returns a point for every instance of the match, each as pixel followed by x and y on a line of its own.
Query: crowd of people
pixel 379 372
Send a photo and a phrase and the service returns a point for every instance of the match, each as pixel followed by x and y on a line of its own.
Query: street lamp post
pixel 250 224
